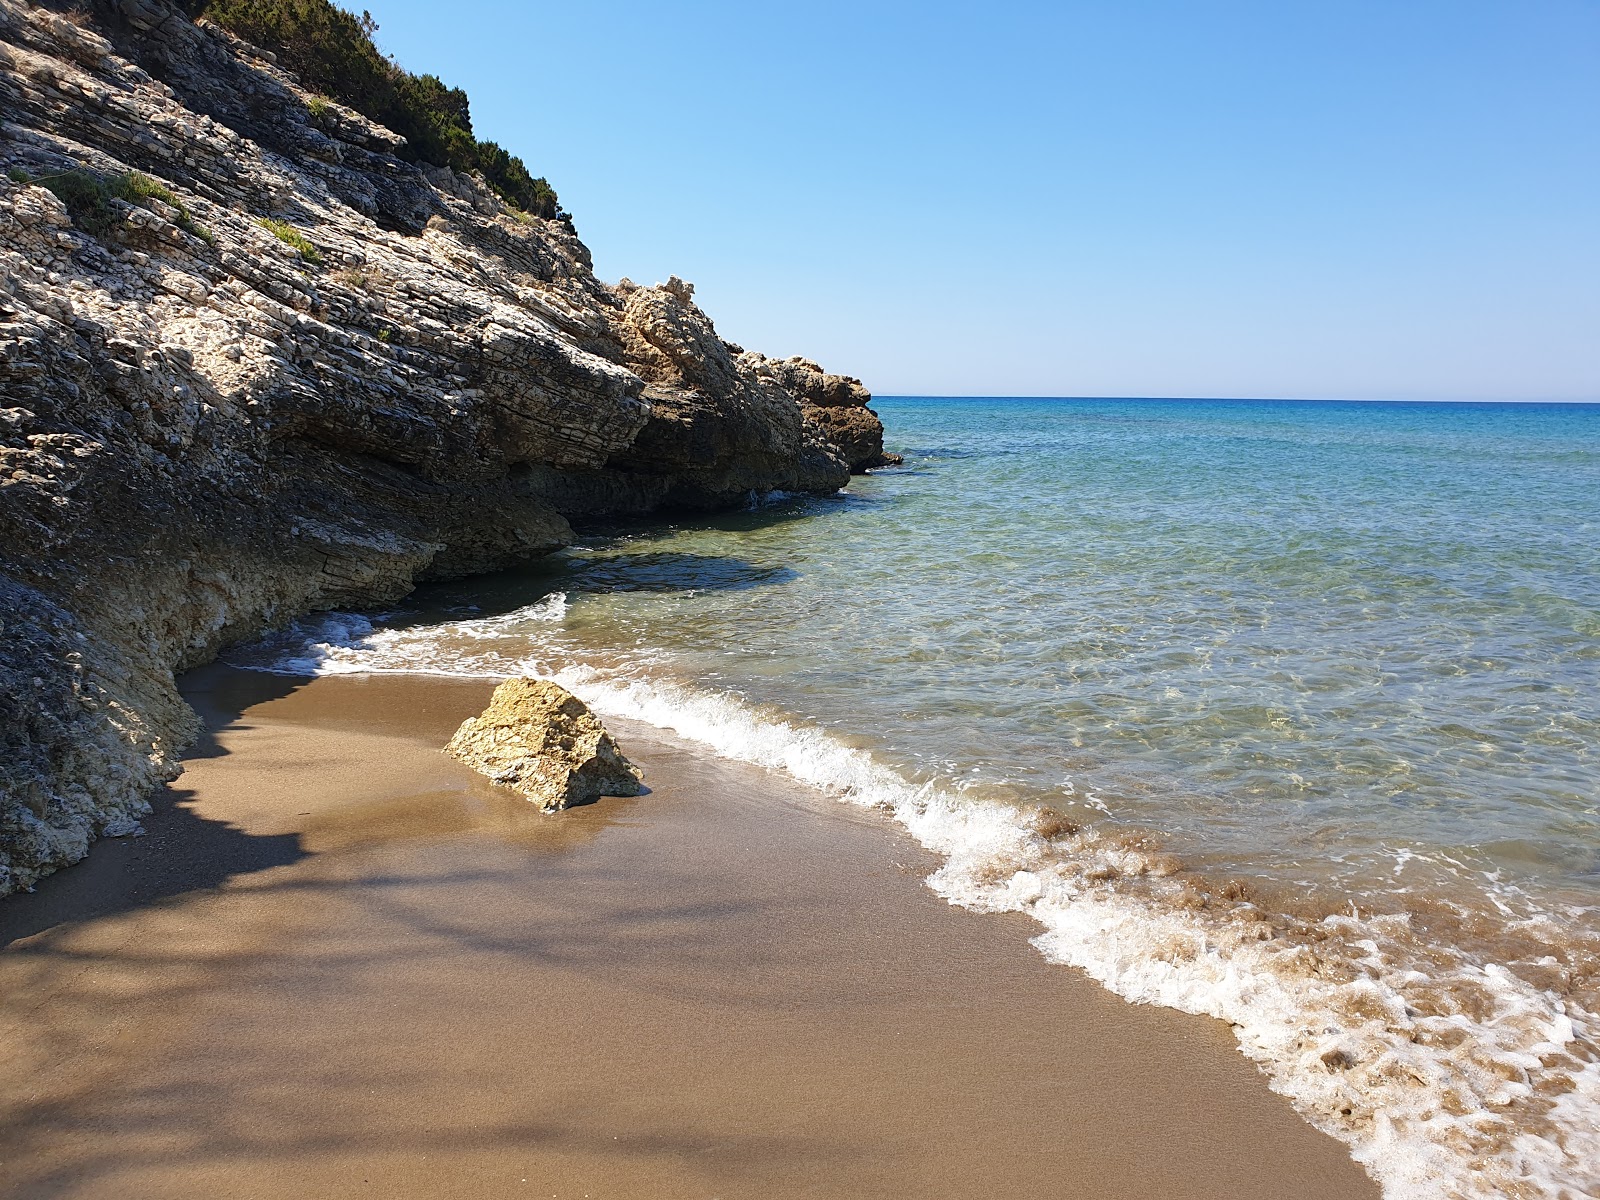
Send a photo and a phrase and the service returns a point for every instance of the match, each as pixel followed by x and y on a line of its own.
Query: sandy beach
pixel 340 963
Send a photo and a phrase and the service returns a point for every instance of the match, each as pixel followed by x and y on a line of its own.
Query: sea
pixel 1280 711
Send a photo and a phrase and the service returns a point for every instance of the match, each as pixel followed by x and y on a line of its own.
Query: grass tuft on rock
pixel 88 196
pixel 136 188
pixel 290 236
pixel 363 278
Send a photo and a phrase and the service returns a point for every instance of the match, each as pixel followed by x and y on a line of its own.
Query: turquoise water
pixel 1310 692
pixel 1367 627
pixel 1300 638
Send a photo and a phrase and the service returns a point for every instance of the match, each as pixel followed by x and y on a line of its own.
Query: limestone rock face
pixel 833 406
pixel 205 431
pixel 540 739
pixel 718 428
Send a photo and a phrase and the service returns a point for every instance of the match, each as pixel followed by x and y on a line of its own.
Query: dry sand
pixel 341 964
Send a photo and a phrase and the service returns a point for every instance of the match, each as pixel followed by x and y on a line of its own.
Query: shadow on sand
pixel 180 851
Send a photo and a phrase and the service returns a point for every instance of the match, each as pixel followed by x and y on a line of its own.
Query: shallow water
pixel 1279 710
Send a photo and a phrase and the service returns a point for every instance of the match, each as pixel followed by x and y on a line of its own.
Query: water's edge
pixel 1279 712
pixel 1420 1063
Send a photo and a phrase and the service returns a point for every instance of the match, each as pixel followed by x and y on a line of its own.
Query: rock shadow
pixel 777 509
pixel 671 571
pixel 180 852
pixel 577 571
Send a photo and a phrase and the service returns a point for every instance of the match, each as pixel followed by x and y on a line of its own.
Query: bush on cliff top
pixel 332 52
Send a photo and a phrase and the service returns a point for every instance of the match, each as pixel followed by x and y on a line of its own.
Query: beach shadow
pixel 180 852
pixel 319 1119
pixel 275 1094
pixel 220 695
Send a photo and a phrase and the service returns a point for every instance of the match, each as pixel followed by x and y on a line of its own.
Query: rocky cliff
pixel 252 363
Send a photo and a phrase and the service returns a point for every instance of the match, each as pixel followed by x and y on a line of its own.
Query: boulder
pixel 540 739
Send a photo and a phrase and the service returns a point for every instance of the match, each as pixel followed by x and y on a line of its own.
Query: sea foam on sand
pixel 1446 1076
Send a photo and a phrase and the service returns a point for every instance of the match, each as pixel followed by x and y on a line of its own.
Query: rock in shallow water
pixel 540 739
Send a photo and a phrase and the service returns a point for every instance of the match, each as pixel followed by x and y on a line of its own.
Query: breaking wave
pixel 1448 1073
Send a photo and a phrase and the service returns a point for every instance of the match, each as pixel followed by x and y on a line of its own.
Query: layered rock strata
pixel 539 739
pixel 295 372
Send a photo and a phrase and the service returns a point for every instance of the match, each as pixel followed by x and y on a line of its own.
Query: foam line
pixel 1446 1076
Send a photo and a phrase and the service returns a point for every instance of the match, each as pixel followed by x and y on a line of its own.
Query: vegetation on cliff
pixel 88 198
pixel 332 51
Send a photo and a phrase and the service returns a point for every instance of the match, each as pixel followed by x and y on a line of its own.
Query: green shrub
pixel 332 52
pixel 317 107
pixel 290 236
pixel 136 187
pixel 88 197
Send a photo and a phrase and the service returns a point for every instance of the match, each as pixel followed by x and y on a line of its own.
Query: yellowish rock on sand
pixel 540 739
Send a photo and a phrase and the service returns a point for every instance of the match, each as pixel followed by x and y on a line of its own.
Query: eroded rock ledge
pixel 205 431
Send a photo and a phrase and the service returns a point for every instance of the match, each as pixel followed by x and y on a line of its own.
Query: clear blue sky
pixel 1393 199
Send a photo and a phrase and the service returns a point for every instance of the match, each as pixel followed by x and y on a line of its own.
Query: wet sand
pixel 341 964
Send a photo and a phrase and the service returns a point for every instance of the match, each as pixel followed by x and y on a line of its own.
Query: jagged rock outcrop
pixel 835 406
pixel 209 425
pixel 539 739
pixel 718 426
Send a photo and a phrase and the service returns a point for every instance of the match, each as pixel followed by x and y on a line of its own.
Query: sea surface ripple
pixel 1280 711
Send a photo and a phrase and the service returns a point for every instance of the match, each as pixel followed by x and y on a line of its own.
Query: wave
pixel 1448 1074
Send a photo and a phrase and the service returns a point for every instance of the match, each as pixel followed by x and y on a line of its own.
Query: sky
pixel 1335 199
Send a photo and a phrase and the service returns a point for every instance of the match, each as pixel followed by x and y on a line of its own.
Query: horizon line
pixel 1235 399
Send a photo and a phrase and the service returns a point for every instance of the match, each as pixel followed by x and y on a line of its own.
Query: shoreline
pixel 1383 1030
pixel 339 956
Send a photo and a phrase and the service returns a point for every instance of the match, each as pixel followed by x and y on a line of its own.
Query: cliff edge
pixel 254 362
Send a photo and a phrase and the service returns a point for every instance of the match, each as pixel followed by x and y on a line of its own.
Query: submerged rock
pixel 540 739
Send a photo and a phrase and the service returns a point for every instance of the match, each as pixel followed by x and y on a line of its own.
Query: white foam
pixel 1446 1077
pixel 547 608
pixel 349 644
